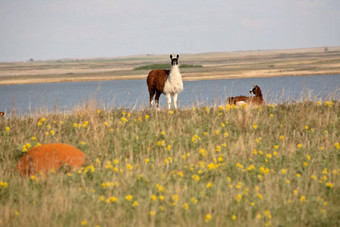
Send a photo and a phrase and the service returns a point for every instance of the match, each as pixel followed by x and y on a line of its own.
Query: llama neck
pixel 174 71
pixel 259 94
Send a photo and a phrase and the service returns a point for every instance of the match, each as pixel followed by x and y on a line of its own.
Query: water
pixel 133 94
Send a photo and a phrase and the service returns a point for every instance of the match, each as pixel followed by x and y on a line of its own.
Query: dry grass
pixel 223 166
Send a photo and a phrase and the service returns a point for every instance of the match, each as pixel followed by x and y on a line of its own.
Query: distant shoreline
pixel 140 77
pixel 224 65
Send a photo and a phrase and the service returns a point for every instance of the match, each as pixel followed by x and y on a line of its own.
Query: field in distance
pixel 203 66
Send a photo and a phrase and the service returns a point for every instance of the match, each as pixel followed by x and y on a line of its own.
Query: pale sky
pixel 55 29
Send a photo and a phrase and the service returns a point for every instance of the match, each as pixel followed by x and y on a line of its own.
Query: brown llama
pixel 168 82
pixel 255 100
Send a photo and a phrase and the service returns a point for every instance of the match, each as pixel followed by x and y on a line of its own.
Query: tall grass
pixel 203 166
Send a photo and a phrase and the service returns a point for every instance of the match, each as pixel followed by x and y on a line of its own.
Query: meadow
pixel 200 166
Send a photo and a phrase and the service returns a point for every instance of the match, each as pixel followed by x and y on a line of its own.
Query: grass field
pixel 203 166
pixel 241 64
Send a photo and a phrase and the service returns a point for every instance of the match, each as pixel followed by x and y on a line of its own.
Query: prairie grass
pixel 201 166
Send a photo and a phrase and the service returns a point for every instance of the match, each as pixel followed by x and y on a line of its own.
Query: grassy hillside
pixel 223 166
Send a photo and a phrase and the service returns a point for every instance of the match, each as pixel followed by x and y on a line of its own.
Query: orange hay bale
pixel 50 157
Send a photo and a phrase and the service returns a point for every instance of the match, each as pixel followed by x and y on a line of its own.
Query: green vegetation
pixel 165 66
pixel 222 166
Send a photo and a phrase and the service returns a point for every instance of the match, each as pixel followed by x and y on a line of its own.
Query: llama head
pixel 255 91
pixel 174 61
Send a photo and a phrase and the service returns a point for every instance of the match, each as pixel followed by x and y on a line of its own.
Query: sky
pixel 57 29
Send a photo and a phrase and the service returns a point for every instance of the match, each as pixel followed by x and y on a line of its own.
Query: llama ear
pixel 170 56
pixel 177 56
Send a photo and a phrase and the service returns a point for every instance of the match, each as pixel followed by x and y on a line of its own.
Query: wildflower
pixel 194 200
pixel 160 188
pixel 128 197
pixel 111 199
pixel 287 181
pixel 302 198
pixel 17 213
pixel 146 161
pixel 129 167
pixel 299 145
pixel 101 198
pixel 218 149
pixel 195 177
pixel 3 184
pixel 329 185
pixel 33 138
pixel 254 126
pixel 276 147
pixel 239 165
pixel 325 171
pixel 238 197
pixel 267 214
pixel 147 117
pixel 328 104
pixel 171 112
pixel 209 185
pixel 283 171
pixel 135 204
pixel 7 129
pixel 83 223
pixel 305 164
pixel 207 218
pixel 306 127
pixel 185 206
pixel 217 132
pixel 282 137
pixel 298 175
pixel 258 216
pixel 295 192
pixel 153 197
pixel 212 166
pixel 161 198
pixel 337 146
pixel 152 213
pixel 313 177
pixel 234 217
pixel 203 152
pixel 308 157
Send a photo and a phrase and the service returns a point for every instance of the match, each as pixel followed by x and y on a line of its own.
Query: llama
pixel 168 82
pixel 256 100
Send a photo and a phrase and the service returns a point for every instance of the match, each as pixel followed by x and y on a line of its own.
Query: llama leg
pixel 152 93
pixel 158 94
pixel 168 98
pixel 174 98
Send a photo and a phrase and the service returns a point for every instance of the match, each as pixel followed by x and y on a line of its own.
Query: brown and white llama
pixel 168 82
pixel 254 100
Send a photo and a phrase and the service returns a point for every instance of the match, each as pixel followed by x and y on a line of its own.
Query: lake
pixel 133 94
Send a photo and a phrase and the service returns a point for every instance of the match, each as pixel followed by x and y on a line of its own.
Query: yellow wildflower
pixel 207 218
pixel 135 204
pixel 129 197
